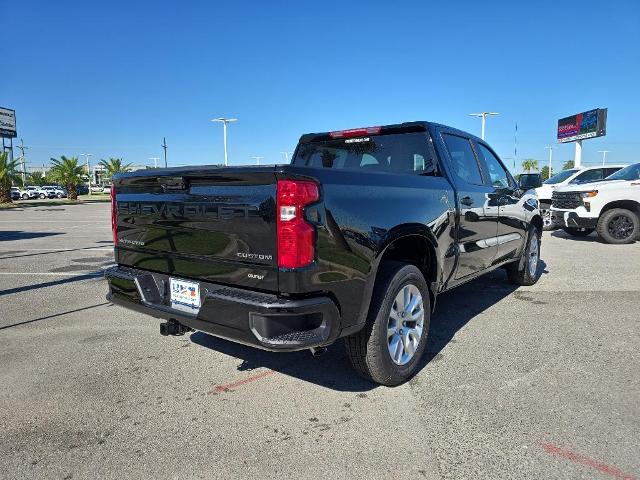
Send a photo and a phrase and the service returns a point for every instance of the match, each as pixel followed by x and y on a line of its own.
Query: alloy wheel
pixel 534 255
pixel 620 227
pixel 405 325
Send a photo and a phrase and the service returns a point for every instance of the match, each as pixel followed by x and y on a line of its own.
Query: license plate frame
pixel 184 295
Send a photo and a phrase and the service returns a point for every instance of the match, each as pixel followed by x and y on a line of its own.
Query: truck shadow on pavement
pixel 565 236
pixel 13 235
pixel 333 370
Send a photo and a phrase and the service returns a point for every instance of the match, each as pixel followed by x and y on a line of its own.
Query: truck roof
pixel 406 127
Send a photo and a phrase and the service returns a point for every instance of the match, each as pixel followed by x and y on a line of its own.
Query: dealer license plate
pixel 185 295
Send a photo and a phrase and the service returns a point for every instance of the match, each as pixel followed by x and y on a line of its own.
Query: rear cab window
pixel 407 153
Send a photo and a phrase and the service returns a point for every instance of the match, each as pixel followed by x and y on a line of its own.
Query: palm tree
pixel 69 173
pixel 530 164
pixel 113 166
pixel 8 175
pixel 37 178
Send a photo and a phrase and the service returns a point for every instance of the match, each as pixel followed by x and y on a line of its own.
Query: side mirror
pixel 528 181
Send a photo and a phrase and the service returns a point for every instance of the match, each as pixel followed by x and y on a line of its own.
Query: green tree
pixel 568 165
pixel 113 166
pixel 544 171
pixel 69 173
pixel 37 178
pixel 8 175
pixel 529 164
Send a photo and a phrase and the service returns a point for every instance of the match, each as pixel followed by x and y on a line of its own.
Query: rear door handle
pixel 468 201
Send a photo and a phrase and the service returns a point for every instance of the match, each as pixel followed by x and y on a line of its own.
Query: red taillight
pixel 296 237
pixel 355 132
pixel 114 215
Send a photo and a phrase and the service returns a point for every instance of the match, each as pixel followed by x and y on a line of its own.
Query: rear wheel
pixel 526 271
pixel 42 195
pixel 578 232
pixel 389 347
pixel 25 196
pixel 618 226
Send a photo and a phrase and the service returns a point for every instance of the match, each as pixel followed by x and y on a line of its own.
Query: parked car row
pixel 611 207
pixel 52 191
pixel 32 192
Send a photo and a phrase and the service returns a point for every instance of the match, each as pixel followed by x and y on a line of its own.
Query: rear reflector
pixel 114 215
pixel 296 237
pixel 355 132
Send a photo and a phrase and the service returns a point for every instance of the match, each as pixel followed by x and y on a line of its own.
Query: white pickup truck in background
pixel 611 206
pixel 572 176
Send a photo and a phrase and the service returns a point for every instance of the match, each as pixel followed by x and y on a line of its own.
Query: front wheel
pixel 526 271
pixel 389 347
pixel 42 195
pixel 618 226
pixel 25 196
pixel 578 232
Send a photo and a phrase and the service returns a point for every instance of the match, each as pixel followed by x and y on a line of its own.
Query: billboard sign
pixel 590 124
pixel 7 123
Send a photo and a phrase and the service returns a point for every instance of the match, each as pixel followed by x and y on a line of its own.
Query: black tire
pixel 579 232
pixel 523 273
pixel 618 226
pixel 25 196
pixel 42 195
pixel 368 349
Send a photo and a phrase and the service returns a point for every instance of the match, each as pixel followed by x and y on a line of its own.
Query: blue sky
pixel 112 78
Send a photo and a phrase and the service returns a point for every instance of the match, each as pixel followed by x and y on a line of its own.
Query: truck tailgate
pixel 211 224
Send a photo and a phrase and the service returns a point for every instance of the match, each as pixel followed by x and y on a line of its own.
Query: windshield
pixel 632 172
pixel 559 177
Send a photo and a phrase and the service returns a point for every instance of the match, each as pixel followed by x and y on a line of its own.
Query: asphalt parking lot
pixel 535 382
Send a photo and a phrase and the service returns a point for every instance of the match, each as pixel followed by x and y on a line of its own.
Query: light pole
pixel 483 116
pixel 604 155
pixel 155 161
pixel 164 147
pixel 86 157
pixel 550 148
pixel 24 160
pixel 257 158
pixel 224 122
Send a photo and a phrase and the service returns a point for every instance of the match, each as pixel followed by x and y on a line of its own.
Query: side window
pixel 609 171
pixel 592 175
pixel 498 176
pixel 463 160
pixel 368 161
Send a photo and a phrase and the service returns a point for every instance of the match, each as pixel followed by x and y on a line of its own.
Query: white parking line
pixel 92 249
pixel 60 274
pixel 36 220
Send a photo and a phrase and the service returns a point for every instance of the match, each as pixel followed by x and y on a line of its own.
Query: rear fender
pixel 392 236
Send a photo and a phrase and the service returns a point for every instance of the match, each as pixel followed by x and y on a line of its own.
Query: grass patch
pixel 7 206
pixel 96 197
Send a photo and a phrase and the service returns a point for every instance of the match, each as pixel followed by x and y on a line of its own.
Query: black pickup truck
pixel 354 239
